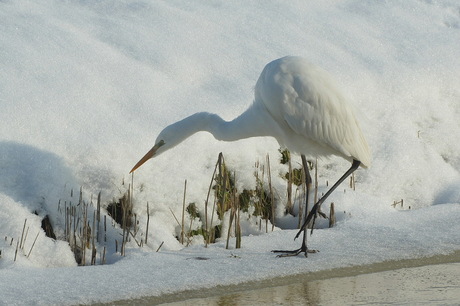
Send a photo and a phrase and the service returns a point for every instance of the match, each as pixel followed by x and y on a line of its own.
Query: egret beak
pixel 148 156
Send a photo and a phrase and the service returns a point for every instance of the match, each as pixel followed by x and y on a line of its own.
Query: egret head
pixel 168 138
pixel 154 151
pixel 177 132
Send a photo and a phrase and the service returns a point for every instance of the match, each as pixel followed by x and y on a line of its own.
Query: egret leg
pixel 316 207
pixel 303 248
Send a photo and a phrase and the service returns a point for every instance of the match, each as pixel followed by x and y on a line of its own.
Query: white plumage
pixel 314 117
pixel 295 102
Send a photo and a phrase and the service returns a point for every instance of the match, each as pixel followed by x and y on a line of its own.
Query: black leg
pixel 303 248
pixel 316 207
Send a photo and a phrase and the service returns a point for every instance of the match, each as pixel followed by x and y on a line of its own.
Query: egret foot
pixel 288 253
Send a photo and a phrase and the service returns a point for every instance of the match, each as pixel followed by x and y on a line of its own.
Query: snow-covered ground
pixel 86 86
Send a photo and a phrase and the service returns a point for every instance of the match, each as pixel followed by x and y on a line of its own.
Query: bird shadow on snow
pixel 33 177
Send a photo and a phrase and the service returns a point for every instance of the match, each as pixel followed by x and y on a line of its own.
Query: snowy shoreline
pixel 388 265
pixel 143 273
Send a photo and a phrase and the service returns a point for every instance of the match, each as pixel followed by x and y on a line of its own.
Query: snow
pixel 85 88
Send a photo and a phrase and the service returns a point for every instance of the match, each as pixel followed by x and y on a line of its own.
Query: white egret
pixel 299 105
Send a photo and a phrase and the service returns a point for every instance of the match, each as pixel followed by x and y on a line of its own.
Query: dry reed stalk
pixel 260 182
pixel 132 187
pixel 296 198
pixel 189 235
pixel 125 234
pixel 105 228
pixel 84 234
pixel 22 235
pixel 103 256
pixel 182 233
pixel 178 223
pixel 398 202
pixel 16 252
pixel 93 253
pixel 259 191
pixel 289 205
pixel 262 201
pixel 73 212
pixel 230 221
pixel 272 198
pixel 25 238
pixel 30 251
pixel 332 215
pixel 139 243
pixel 98 215
pixel 147 226
pixel 127 206
pixel 220 174
pixel 212 234
pixel 136 229
pixel 352 182
pixel 221 186
pixel 93 256
pixel 237 222
pixel 224 206
pixel 303 199
pixel 235 211
pixel 207 229
pixel 233 216
pixel 161 244
pixel 316 182
pixel 66 223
